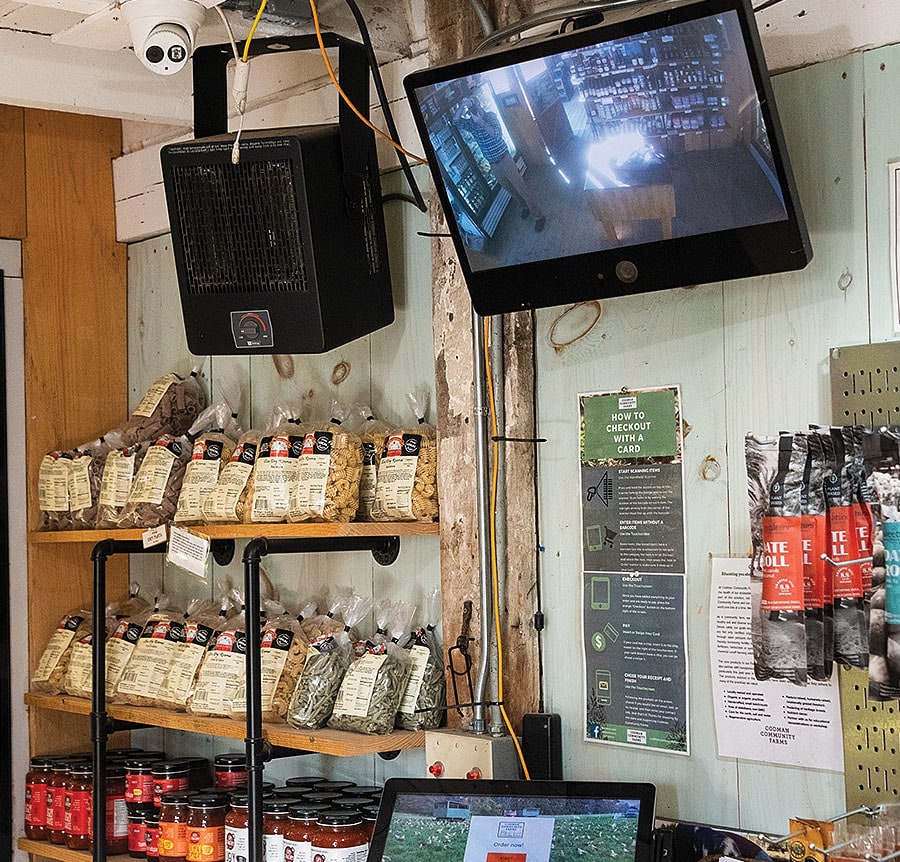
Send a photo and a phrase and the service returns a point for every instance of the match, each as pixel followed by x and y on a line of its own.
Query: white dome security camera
pixel 163 32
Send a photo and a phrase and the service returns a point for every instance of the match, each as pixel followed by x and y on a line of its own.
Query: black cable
pixel 765 5
pixel 538 549
pixel 385 104
pixel 399 196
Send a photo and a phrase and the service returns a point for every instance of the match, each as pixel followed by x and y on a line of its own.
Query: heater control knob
pixel 250 327
pixel 626 272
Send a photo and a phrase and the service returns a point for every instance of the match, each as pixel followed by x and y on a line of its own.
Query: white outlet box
pixel 460 753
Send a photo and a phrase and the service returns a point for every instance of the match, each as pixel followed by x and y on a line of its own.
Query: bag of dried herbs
pixel 326 662
pixel 424 700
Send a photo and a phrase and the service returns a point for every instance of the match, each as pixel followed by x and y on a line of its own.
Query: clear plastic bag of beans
pixel 213 435
pixel 276 469
pixel 406 487
pixel 372 433
pixel 170 406
pixel 119 469
pixel 50 673
pixel 327 660
pixel 154 494
pixel 327 486
pixel 425 697
pixel 374 683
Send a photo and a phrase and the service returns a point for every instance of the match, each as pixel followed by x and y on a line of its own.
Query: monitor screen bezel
pixel 678 262
pixel 644 792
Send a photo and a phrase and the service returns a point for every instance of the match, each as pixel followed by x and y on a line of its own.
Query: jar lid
pixel 171 767
pixel 304 781
pixel 176 797
pixel 296 793
pixel 62 766
pixel 115 771
pixel 209 800
pixel 81 768
pixel 144 761
pixel 196 762
pixel 317 796
pixel 42 761
pixel 369 812
pixel 240 799
pixel 233 759
pixel 307 810
pixel 348 804
pixel 151 818
pixel 276 806
pixel 138 813
pixel 336 817
pixel 332 786
pixel 371 790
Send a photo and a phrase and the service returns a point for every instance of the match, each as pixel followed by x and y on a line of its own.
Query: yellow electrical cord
pixel 493 535
pixel 259 12
pixel 343 95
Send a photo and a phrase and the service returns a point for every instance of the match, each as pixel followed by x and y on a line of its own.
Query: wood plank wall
pixel 75 349
pixel 12 189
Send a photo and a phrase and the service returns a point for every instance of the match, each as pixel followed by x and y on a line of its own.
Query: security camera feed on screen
pixel 427 828
pixel 650 137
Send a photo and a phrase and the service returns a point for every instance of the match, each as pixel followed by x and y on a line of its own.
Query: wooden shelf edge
pixel 323 741
pixel 57 851
pixel 251 531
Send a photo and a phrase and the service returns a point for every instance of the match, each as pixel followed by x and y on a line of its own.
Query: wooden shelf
pixel 324 741
pixel 62 853
pixel 252 531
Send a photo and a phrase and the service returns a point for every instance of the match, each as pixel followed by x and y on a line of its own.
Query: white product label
pixel 118 474
pixel 340 854
pixel 53 652
pixel 355 694
pixel 53 484
pixel 419 656
pixel 309 497
pixel 151 480
pixel 188 551
pixel 273 848
pixel 119 649
pixel 179 681
pixel 221 503
pixel 274 479
pixel 297 851
pixel 220 677
pixel 367 487
pixel 78 671
pixel 80 483
pixel 396 477
pixel 199 479
pixel 154 395
pixel 120 817
pixel 236 844
pixel 272 660
pixel 149 663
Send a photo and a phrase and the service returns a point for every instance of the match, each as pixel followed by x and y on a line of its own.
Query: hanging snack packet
pixel 406 488
pixel 424 701
pixel 863 516
pixel 154 494
pixel 327 487
pixel 226 503
pixel 884 622
pixel 152 656
pixel 222 671
pixel 170 406
pixel 373 686
pixel 282 654
pixel 812 526
pixel 326 662
pixel 119 469
pixel 53 491
pixel 50 673
pixel 276 470
pixel 372 434
pixel 850 632
pixel 213 434
pixel 86 478
pixel 202 620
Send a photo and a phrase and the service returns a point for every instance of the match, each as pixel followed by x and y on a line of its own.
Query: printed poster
pixel 771 721
pixel 634 626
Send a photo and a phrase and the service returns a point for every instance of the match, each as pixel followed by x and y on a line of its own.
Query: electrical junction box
pixel 456 754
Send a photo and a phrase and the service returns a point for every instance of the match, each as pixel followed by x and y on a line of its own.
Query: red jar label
pixel 228 780
pixel 58 808
pixel 137 838
pixel 151 839
pixel 138 788
pixel 164 785
pixel 36 804
pixel 78 812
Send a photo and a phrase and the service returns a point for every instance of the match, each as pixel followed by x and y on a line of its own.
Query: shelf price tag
pixel 154 536
pixel 188 551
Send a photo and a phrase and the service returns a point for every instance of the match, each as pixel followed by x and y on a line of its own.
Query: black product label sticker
pixel 368 454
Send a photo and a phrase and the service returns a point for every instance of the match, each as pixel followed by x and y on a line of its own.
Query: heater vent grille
pixel 240 227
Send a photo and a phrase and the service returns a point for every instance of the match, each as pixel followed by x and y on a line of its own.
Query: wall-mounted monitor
pixel 623 158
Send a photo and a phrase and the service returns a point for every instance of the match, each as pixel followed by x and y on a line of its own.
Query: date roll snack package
pixel 817 612
pixel 170 406
pixel 775 473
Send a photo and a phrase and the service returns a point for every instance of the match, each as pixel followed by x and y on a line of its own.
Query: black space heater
pixel 286 251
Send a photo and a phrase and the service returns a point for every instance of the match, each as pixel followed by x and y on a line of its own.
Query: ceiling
pixel 37 71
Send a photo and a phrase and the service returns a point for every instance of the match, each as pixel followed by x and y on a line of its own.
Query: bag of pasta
pixel 406 487
pixel 152 656
pixel 370 693
pixel 203 618
pixel 119 469
pixel 226 503
pixel 154 494
pixel 425 698
pixel 327 486
pixel 79 676
pixel 170 406
pixel 282 654
pixel 372 434
pixel 222 671
pixel 326 661
pixel 50 673
pixel 53 491
pixel 277 469
pixel 123 636
pixel 86 477
pixel 214 434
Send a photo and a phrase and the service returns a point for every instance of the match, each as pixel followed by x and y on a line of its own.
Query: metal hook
pixel 844 563
pixel 780 840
